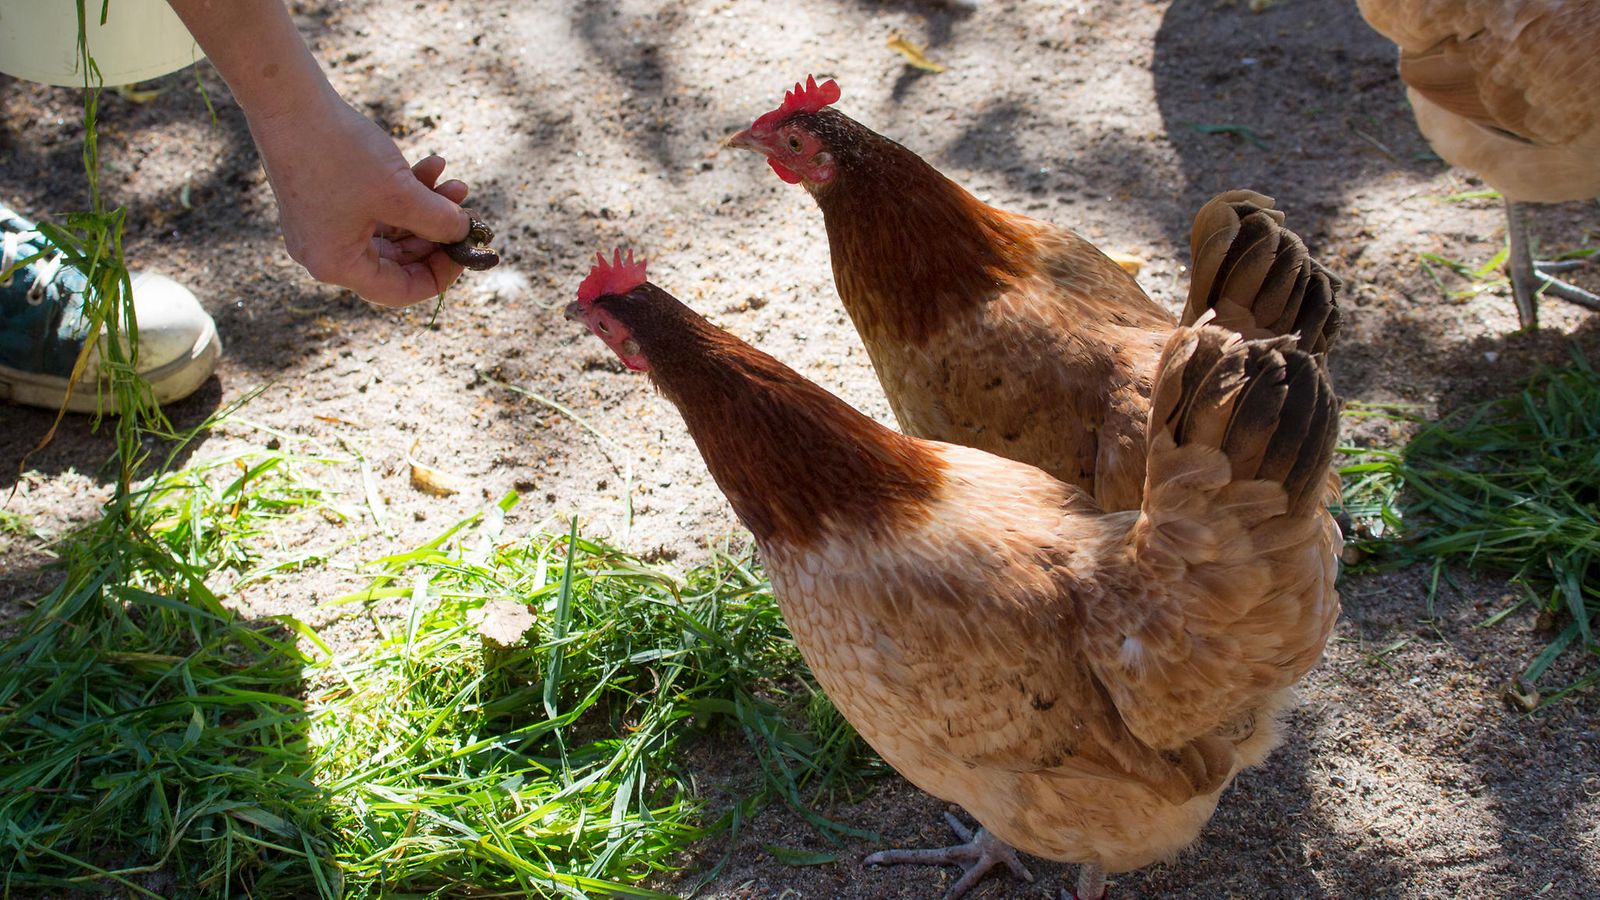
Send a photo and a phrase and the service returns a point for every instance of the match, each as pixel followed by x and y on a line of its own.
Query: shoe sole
pixel 170 382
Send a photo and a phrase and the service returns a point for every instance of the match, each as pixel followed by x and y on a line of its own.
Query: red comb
pixel 616 277
pixel 809 98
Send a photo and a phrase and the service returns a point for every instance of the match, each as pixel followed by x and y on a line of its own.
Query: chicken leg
pixel 981 852
pixel 1091 884
pixel 1529 279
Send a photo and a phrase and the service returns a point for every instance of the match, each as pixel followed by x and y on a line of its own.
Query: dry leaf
pixel 1129 263
pixel 134 95
pixel 914 55
pixel 503 622
pixel 429 480
pixel 1520 696
pixel 432 481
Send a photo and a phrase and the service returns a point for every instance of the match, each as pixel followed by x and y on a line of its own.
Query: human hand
pixel 352 212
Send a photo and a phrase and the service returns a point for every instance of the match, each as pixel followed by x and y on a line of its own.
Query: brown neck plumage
pixel 910 247
pixel 792 459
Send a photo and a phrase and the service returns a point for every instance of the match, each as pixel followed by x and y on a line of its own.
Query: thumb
pixel 427 214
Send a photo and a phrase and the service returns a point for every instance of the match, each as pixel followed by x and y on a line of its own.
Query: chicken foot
pixel 1529 279
pixel 981 852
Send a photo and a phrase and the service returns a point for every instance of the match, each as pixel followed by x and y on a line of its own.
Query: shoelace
pixel 44 268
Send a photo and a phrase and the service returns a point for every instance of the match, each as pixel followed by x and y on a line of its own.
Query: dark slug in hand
pixel 474 251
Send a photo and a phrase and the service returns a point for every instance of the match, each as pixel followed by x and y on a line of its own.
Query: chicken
pixel 1084 683
pixel 1511 90
pixel 997 331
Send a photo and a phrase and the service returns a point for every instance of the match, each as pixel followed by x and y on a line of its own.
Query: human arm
pixel 352 211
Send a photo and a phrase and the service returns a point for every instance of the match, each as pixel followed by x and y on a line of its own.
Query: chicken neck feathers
pixel 759 423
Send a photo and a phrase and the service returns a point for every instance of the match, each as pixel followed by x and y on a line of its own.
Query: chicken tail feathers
pixel 1257 275
pixel 1266 404
pixel 1232 529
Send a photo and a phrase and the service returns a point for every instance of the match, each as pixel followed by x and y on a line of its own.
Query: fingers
pixel 403 264
pixel 417 208
pixel 407 249
pixel 428 169
pixel 455 190
pixel 395 276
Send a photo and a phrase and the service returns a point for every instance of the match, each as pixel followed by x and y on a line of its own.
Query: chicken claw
pixel 473 251
pixel 981 852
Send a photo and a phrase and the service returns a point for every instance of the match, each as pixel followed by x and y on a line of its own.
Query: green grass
pixel 554 765
pixel 1243 132
pixel 153 740
pixel 143 728
pixel 154 743
pixel 1510 485
pixel 1468 196
pixel 1480 278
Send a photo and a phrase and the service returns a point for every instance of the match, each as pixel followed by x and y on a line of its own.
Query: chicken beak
pixel 744 140
pixel 574 311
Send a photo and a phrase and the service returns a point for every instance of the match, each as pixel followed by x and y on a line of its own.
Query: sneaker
pixel 42 329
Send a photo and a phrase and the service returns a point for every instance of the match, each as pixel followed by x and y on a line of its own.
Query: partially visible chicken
pixel 1084 683
pixel 1511 90
pixel 998 331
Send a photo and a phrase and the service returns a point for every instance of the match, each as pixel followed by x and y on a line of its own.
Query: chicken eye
pixel 794 143
pixel 604 328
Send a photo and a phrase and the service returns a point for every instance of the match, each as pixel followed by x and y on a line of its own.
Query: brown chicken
pixel 994 330
pixel 1511 90
pixel 1084 683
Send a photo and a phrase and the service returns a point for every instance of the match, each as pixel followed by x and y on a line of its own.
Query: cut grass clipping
pixel 1510 485
pixel 154 743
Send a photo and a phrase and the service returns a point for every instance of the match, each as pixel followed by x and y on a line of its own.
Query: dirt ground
pixel 581 124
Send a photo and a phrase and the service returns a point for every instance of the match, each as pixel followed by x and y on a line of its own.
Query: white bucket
pixel 141 39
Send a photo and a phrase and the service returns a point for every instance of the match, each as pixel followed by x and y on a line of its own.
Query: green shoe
pixel 42 329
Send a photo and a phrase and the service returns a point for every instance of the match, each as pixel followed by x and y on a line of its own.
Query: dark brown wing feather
pixel 1257 275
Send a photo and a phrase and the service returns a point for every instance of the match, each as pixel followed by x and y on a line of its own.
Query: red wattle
pixel 786 174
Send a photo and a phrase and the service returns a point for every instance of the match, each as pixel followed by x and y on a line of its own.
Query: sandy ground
pixel 586 124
